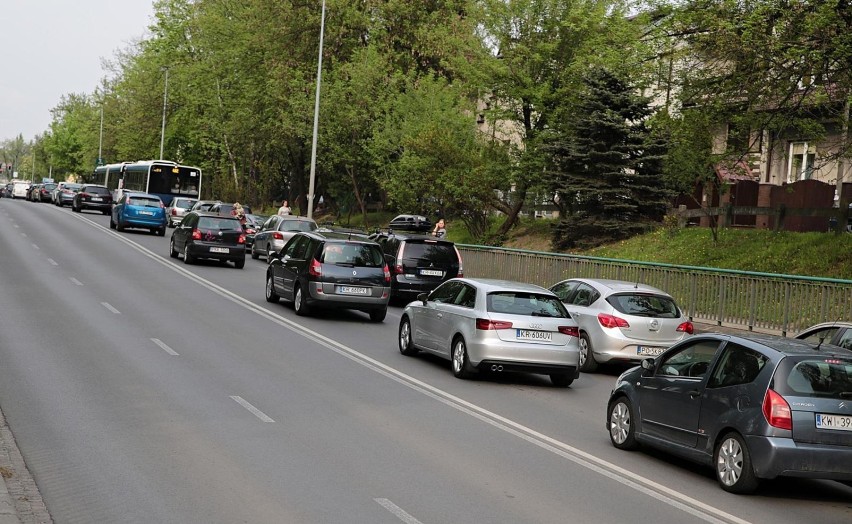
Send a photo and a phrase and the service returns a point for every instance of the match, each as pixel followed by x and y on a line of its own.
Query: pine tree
pixel 607 166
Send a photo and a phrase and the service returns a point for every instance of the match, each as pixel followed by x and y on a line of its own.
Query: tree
pixel 607 166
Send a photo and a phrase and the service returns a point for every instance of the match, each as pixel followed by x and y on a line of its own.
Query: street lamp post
pixel 101 139
pixel 165 97
pixel 316 119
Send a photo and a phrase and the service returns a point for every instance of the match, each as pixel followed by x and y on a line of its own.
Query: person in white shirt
pixel 284 209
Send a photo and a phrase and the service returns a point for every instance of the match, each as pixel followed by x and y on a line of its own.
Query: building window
pixel 800 162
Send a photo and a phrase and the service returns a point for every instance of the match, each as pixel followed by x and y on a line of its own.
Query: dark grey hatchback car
pixel 330 270
pixel 209 236
pixel 753 407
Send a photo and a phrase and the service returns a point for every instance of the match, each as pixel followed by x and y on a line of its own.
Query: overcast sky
pixel 55 47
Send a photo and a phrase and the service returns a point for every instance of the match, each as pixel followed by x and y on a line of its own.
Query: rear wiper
pixel 846 394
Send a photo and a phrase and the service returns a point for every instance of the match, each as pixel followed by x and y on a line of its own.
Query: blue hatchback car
pixel 139 210
pixel 752 407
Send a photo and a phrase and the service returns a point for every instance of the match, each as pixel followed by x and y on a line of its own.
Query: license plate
pixel 527 334
pixel 149 213
pixel 649 351
pixel 350 290
pixel 219 250
pixel 841 422
pixel 432 272
pixel 96 199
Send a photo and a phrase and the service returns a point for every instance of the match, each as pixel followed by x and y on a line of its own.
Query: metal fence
pixel 764 302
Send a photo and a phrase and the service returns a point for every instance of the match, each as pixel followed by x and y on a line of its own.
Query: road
pixel 140 389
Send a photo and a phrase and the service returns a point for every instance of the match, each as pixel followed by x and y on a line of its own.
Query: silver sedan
pixel 493 325
pixel 621 321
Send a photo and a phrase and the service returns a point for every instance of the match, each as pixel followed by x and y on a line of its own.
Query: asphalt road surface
pixel 140 389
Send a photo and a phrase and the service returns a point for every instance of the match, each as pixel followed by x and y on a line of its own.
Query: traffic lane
pixel 134 390
pixel 580 413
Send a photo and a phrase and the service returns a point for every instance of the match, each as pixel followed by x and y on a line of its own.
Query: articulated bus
pixel 158 177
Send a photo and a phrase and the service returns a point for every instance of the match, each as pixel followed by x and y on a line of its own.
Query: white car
pixel 20 190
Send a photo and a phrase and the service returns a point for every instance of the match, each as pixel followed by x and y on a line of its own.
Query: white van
pixel 20 190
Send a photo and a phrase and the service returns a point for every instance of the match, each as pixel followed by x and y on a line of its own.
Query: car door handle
pixel 694 393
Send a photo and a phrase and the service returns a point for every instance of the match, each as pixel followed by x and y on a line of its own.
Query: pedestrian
pixel 239 212
pixel 284 209
pixel 440 229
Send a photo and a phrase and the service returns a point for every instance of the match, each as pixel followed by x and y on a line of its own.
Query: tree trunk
pixel 358 198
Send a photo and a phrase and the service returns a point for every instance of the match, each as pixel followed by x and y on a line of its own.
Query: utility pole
pixel 101 140
pixel 165 97
pixel 316 119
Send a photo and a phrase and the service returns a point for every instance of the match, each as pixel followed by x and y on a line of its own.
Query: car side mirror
pixel 423 297
pixel 648 366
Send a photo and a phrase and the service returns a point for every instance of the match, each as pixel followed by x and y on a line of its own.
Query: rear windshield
pixel 644 305
pixel 183 204
pixel 50 186
pixel 529 304
pixel 297 225
pixel 143 202
pixel 96 190
pixel 363 255
pixel 441 252
pixel 221 224
pixel 828 377
pixel 72 187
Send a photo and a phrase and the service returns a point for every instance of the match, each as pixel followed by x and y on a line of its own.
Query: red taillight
pixel 485 324
pixel 242 239
pixel 686 327
pixel 277 236
pixel 196 234
pixel 249 231
pixel 398 269
pixel 85 195
pixel 571 331
pixel 777 411
pixel 610 321
pixel 315 269
pixel 174 212
pixel 387 274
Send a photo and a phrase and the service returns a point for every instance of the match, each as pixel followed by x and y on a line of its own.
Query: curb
pixel 20 500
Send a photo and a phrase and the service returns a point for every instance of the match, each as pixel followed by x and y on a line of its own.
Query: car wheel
pixel 75 208
pixel 406 343
pixel 461 362
pixel 561 380
pixel 119 226
pixel 172 251
pixel 162 231
pixel 734 470
pixel 254 254
pixel 299 302
pixel 587 357
pixel 187 258
pixel 271 295
pixel 378 315
pixel 111 223
pixel 239 264
pixel 622 430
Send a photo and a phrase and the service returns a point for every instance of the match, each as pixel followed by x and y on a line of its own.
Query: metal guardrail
pixel 764 302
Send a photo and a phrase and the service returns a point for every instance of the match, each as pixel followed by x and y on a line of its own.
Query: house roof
pixel 732 173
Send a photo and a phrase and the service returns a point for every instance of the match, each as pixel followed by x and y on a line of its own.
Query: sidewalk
pixel 20 500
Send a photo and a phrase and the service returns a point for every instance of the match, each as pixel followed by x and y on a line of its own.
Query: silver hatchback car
pixel 494 325
pixel 621 321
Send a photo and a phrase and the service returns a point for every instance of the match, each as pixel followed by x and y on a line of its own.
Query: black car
pixel 751 407
pixel 44 192
pixel 331 271
pixel 92 196
pixel 209 236
pixel 418 263
pixel 6 191
pixel 411 223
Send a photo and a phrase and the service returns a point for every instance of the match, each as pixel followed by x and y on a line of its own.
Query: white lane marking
pixel 35 246
pixel 164 347
pixel 396 510
pixel 109 307
pixel 75 281
pixel 16 226
pixel 256 412
pixel 23 234
pixel 53 262
pixel 610 470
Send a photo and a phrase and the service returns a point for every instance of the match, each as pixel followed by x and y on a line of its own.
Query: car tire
pixel 406 341
pixel 588 363
pixel 75 208
pixel 561 380
pixel 254 254
pixel 299 302
pixel 187 258
pixel 378 315
pixel 111 223
pixel 172 252
pixel 162 231
pixel 119 226
pixel 732 463
pixel 271 295
pixel 460 360
pixel 239 264
pixel 622 425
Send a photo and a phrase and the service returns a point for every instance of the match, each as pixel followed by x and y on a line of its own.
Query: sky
pixel 50 48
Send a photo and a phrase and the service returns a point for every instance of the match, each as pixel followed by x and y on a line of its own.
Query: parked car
pixel 7 190
pixel 20 190
pixel 752 407
pixel 54 194
pixel 44 193
pixel 65 195
pixel 621 321
pixel 493 325
pixel 32 193
pixel 276 231
pixel 92 196
pixel 226 209
pixel 419 263
pixel 139 211
pixel 202 235
pixel 204 205
pixel 330 270
pixel 252 226
pixel 835 333
pixel 177 208
pixel 411 223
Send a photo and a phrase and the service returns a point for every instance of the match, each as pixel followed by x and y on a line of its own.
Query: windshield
pixel 143 202
pixel 363 255
pixel 297 225
pixel 644 305
pixel 525 303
